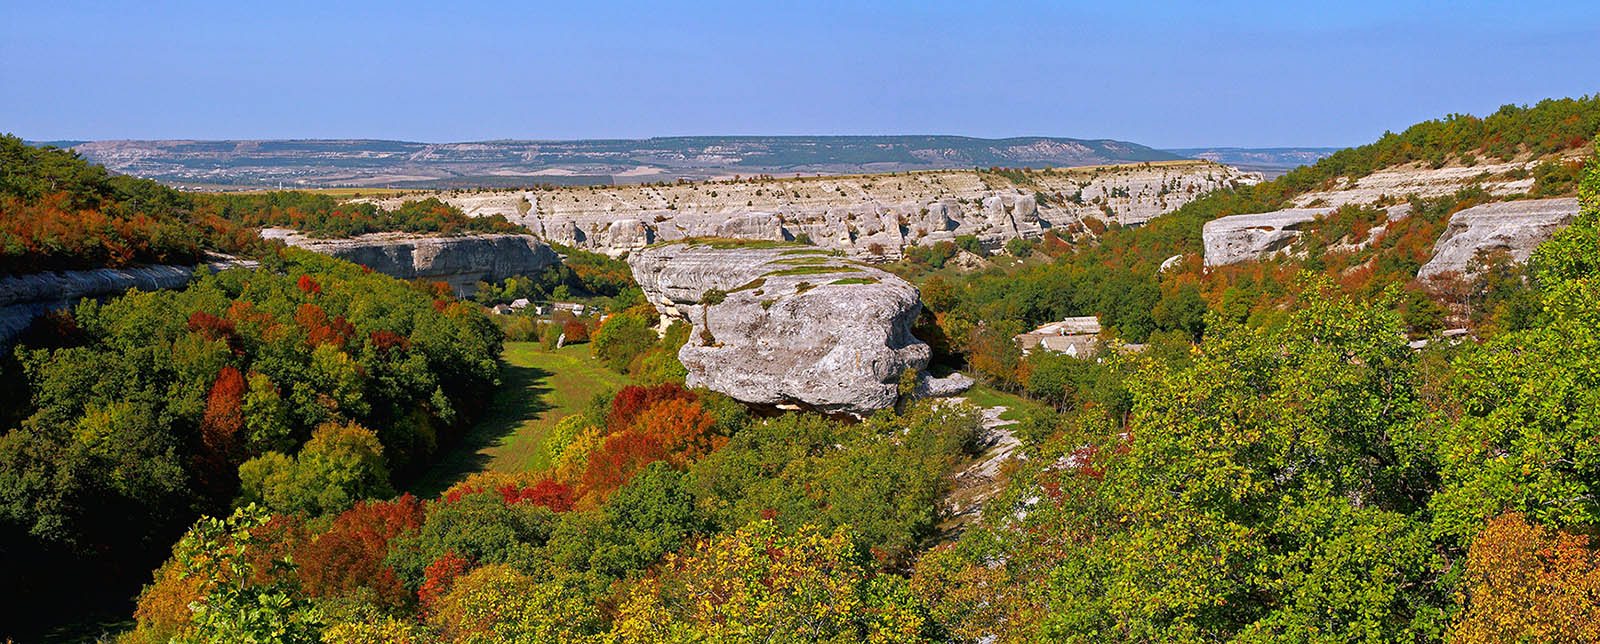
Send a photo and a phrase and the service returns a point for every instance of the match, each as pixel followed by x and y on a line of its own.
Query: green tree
pixel 240 607
pixel 340 465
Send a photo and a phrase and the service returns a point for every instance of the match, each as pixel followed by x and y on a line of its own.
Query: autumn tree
pixel 348 558
pixel 1526 583
pixel 761 584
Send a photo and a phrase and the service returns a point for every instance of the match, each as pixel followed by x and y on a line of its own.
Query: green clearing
pixel 537 389
pixel 1016 406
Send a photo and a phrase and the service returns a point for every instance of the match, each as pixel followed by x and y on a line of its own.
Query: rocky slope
pixel 864 215
pixel 1242 238
pixel 780 324
pixel 25 297
pixel 1516 227
pixel 461 261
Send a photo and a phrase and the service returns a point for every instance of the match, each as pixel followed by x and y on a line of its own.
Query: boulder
pixel 793 326
pixel 461 261
pixel 1516 227
pixel 1243 238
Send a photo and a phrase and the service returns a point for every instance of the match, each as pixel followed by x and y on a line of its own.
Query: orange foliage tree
pixel 616 462
pixel 633 399
pixel 1525 583
pixel 438 577
pixel 684 429
pixel 348 558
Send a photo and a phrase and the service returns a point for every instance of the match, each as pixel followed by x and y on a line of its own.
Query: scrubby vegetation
pixel 322 215
pixel 59 213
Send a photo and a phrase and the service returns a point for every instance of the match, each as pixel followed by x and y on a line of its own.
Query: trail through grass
pixel 537 389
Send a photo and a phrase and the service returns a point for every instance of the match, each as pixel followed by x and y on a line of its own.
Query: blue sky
pixel 1166 74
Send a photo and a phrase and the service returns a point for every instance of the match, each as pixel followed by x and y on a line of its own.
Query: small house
pixel 1078 337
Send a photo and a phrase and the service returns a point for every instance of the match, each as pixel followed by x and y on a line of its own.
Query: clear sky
pixel 1167 74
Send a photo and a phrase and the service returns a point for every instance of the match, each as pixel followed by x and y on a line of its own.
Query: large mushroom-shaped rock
pixel 461 261
pixel 788 324
pixel 1243 238
pixel 1516 227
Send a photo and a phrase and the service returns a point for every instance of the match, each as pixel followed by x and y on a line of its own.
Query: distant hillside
pixel 373 163
pixel 1269 161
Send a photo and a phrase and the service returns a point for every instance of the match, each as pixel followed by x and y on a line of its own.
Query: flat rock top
pixel 1516 227
pixel 680 273
pixel 1274 219
pixel 791 324
pixel 1515 212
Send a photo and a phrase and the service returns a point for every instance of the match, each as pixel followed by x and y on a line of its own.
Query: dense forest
pixel 1277 465
pixel 307 386
pixel 59 213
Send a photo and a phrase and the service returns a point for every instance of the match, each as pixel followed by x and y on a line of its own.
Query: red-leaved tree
pixel 220 428
pixel 438 577
pixel 350 555
pixel 633 399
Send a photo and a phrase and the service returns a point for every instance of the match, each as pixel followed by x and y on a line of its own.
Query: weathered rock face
pixel 863 215
pixel 795 326
pixel 1242 238
pixel 461 261
pixel 1516 227
pixel 25 297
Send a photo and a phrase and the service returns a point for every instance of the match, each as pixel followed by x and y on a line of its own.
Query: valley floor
pixel 537 389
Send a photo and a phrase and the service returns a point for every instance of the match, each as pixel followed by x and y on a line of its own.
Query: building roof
pixel 1085 325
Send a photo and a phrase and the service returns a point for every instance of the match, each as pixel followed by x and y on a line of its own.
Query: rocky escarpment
pixel 461 261
pixel 25 297
pixel 863 215
pixel 1516 227
pixel 1242 238
pixel 787 324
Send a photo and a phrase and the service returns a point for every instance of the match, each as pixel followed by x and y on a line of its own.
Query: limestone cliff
pixel 25 297
pixel 460 261
pixel 787 324
pixel 1242 238
pixel 863 215
pixel 1516 227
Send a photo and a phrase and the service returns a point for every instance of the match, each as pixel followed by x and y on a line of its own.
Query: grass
pixel 856 280
pixel 1016 406
pixel 537 389
pixel 755 283
pixel 804 260
pixel 811 270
